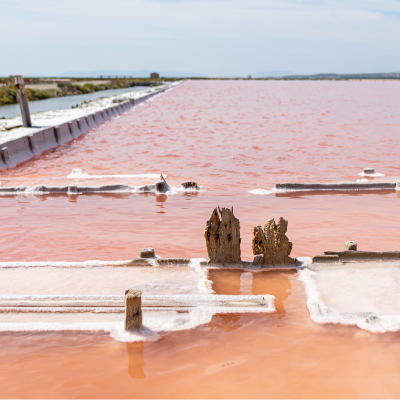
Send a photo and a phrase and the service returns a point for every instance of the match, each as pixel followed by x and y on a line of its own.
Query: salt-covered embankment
pixel 51 129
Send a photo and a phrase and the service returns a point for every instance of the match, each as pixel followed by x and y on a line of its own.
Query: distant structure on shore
pixel 154 75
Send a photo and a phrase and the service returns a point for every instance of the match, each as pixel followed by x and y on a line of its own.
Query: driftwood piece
pixel 222 236
pixel 271 246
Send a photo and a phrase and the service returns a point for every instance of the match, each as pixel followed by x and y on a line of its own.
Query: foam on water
pixel 365 294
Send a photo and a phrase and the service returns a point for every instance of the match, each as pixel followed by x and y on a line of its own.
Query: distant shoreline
pixel 44 88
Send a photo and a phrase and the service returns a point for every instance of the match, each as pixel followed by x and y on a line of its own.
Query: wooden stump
pixel 222 236
pixel 271 246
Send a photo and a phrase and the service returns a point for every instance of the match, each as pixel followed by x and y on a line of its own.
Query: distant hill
pixel 143 73
pixel 272 74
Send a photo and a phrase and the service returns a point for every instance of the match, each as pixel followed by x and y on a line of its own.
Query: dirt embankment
pixel 39 89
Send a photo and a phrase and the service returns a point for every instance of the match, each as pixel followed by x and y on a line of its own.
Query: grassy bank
pixel 8 95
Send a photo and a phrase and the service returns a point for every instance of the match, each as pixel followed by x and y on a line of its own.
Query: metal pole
pixel 22 100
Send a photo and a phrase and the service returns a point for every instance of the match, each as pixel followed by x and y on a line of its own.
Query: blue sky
pixel 213 37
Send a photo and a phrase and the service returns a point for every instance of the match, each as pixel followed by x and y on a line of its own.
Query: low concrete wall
pixel 105 115
pixel 83 126
pixel 44 140
pixel 354 255
pixel 297 187
pixel 3 165
pixel 63 134
pixel 98 118
pixel 74 128
pixel 17 151
pixel 90 120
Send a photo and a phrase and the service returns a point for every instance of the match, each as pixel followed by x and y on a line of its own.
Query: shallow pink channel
pixel 230 137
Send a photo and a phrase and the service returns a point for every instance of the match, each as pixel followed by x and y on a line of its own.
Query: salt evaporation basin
pixel 154 322
pixel 53 280
pixel 366 294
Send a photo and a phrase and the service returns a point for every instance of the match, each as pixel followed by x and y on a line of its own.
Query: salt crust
pixel 154 322
pixel 260 191
pixel 80 174
pixel 363 294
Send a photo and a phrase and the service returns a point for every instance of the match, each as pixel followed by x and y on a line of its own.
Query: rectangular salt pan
pixel 101 280
pixel 362 287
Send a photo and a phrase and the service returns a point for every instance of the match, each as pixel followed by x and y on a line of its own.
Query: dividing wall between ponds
pixel 17 151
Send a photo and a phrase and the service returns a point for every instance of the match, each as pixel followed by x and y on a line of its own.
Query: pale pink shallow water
pixel 230 137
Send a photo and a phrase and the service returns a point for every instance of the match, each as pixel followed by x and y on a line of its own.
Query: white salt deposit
pixel 261 191
pixel 78 173
pixel 154 321
pixel 365 294
pixel 53 280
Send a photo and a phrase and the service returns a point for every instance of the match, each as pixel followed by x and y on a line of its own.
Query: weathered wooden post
pixel 223 237
pixel 133 309
pixel 22 100
pixel 270 245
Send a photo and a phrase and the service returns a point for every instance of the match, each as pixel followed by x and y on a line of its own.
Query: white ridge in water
pixel 260 191
pixel 78 173
pixel 155 321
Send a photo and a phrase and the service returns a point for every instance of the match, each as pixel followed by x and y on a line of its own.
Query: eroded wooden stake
pixel 271 246
pixel 22 100
pixel 133 309
pixel 222 236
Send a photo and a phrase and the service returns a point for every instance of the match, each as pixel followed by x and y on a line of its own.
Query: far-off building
pixel 154 75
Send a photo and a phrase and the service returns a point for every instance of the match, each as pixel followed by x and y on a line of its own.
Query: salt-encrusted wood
pixel 222 236
pixel 271 246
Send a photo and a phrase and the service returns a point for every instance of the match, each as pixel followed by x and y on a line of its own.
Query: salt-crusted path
pixel 53 118
pixel 21 144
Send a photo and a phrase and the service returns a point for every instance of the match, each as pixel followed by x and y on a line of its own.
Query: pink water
pixel 230 137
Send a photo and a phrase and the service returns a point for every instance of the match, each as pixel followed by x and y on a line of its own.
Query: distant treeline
pixel 8 95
